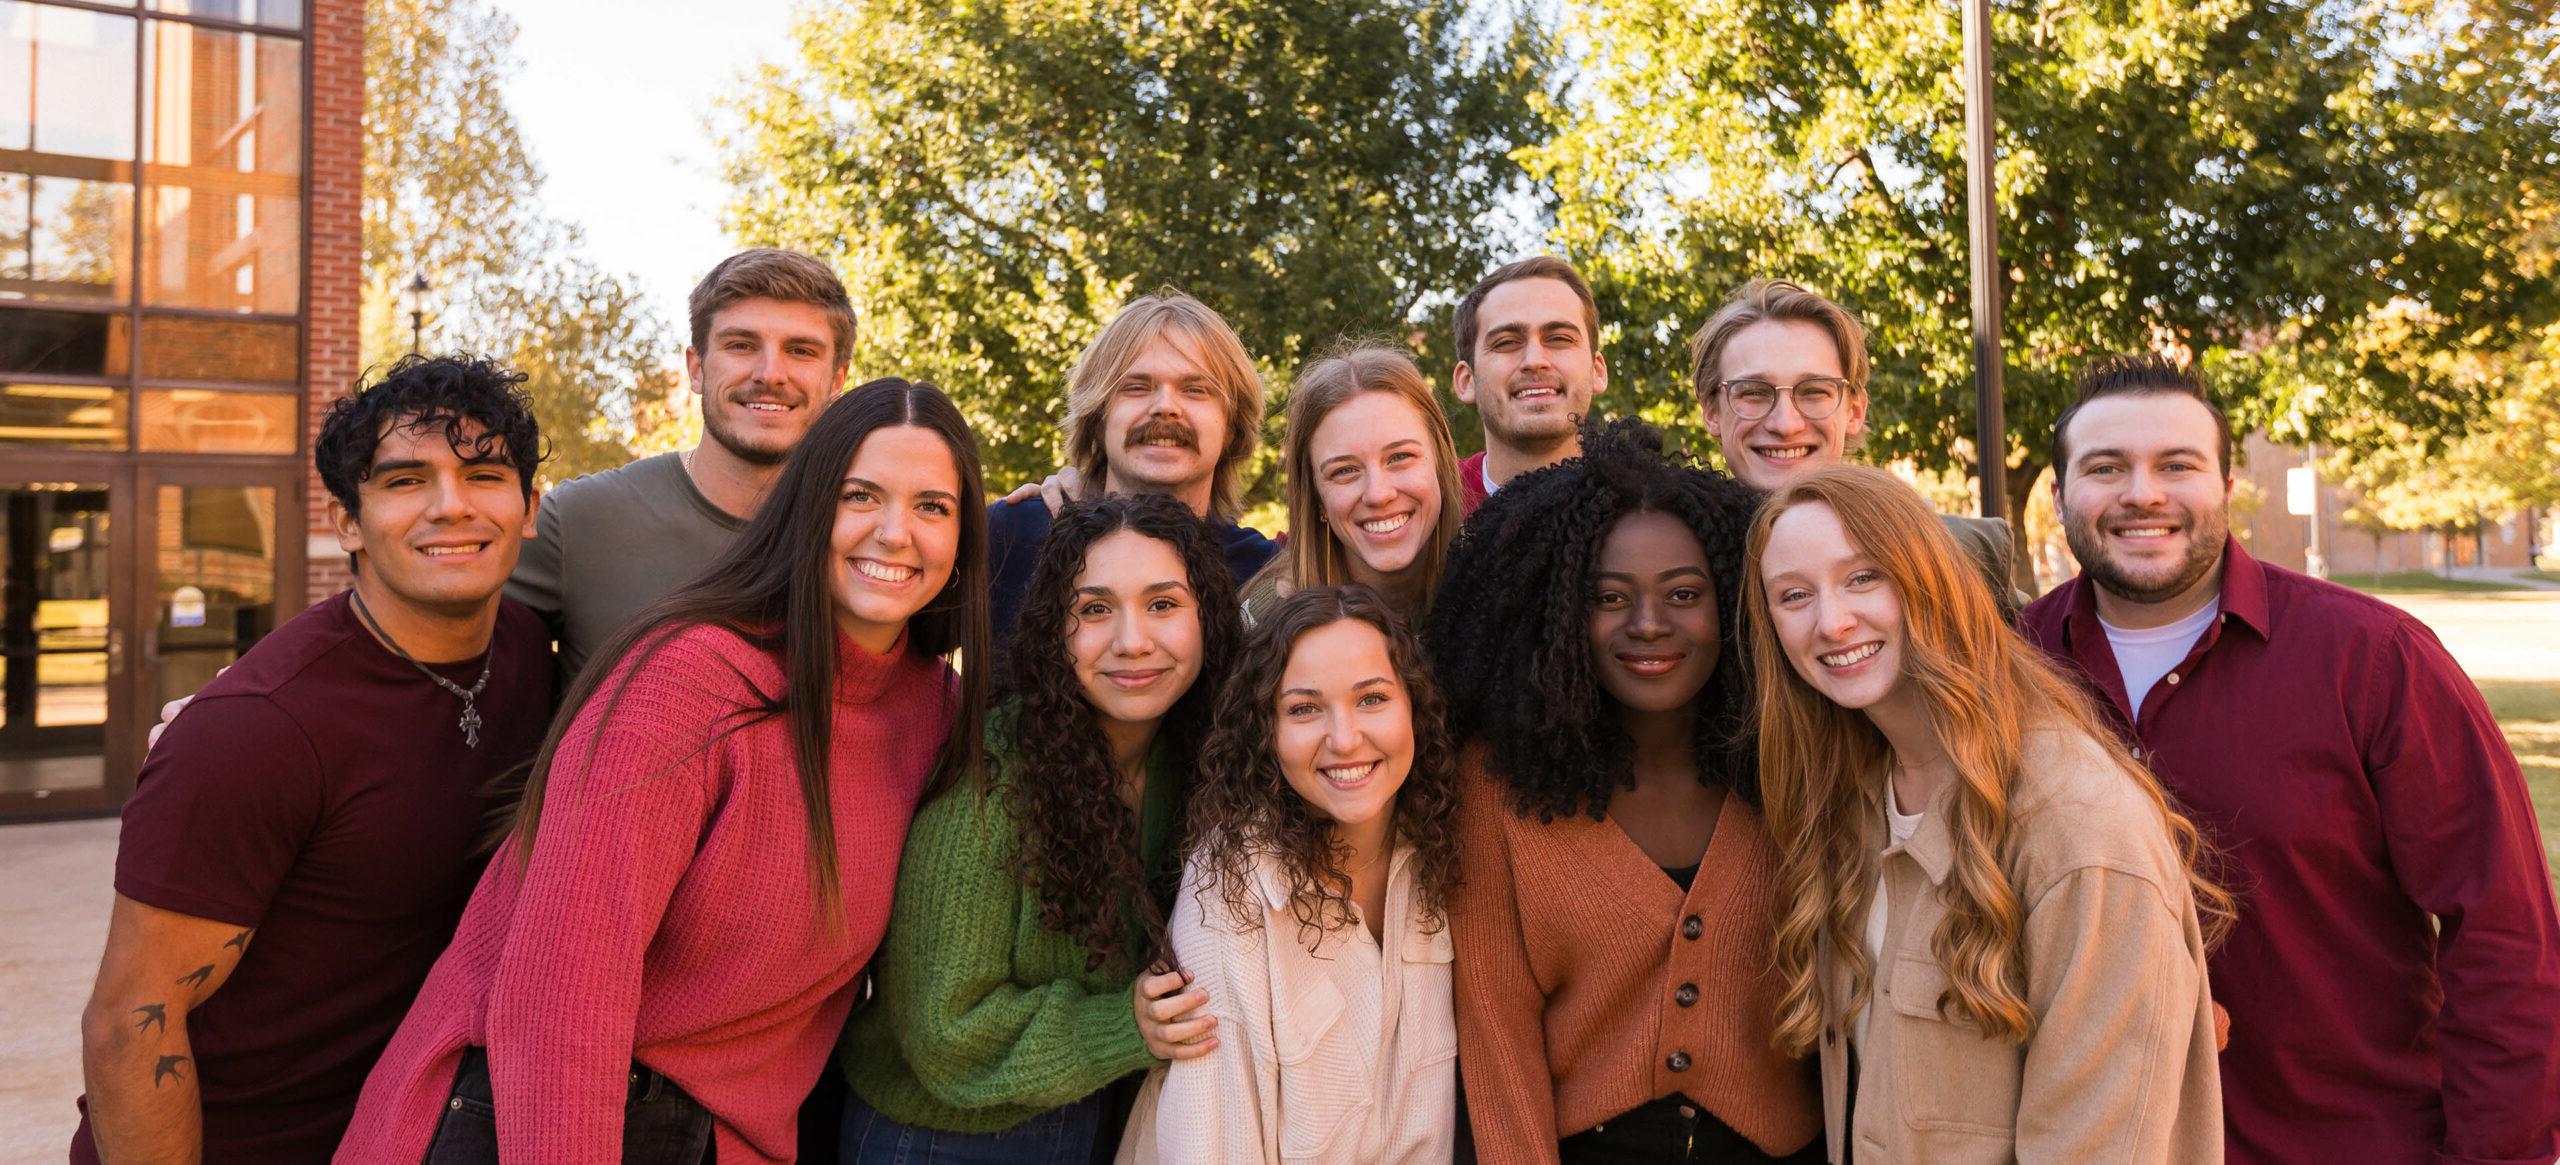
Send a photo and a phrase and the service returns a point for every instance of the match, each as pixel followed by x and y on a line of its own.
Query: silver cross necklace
pixel 470 712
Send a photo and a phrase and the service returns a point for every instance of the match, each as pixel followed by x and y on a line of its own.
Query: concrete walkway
pixel 2506 575
pixel 53 924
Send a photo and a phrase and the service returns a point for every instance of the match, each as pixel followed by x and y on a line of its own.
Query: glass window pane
pixel 65 239
pixel 53 636
pixel 69 90
pixel 61 343
pixel 270 13
pixel 217 579
pixel 222 179
pixel 62 416
pixel 199 420
pixel 193 348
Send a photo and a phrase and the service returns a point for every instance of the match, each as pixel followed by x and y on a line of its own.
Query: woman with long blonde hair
pixel 1986 904
pixel 1372 483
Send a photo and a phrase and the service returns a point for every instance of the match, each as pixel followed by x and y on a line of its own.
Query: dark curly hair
pixel 1241 804
pixel 1078 839
pixel 1510 630
pixel 430 393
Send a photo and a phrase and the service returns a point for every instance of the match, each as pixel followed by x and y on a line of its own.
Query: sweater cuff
pixel 1127 1051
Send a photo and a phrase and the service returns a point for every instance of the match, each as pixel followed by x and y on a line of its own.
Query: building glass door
pixel 61 653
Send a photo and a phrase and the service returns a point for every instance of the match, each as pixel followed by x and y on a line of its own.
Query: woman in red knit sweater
pixel 662 953
pixel 1614 921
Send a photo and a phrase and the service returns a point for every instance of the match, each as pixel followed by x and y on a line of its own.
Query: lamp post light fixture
pixel 1982 215
pixel 416 294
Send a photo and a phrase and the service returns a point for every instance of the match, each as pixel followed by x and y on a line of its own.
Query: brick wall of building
pixel 337 258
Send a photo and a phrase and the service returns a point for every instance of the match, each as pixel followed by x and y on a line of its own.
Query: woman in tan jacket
pixel 1992 926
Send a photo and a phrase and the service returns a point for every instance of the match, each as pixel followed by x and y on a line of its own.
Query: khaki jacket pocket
pixel 1947 1075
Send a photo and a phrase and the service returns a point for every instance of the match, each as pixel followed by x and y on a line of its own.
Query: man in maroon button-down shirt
pixel 2394 977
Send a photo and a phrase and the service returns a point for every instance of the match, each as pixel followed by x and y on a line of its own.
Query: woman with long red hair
pixel 1986 904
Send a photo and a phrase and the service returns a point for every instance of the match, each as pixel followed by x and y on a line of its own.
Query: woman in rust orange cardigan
pixel 1614 925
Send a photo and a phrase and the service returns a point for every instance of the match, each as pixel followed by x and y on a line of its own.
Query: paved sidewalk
pixel 53 923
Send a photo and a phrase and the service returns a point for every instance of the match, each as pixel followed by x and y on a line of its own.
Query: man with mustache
pixel 1529 360
pixel 772 334
pixel 1164 400
pixel 2393 979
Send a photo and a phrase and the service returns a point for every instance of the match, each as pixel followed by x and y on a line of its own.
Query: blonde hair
pixel 1219 353
pixel 1985 689
pixel 1317 556
pixel 1762 300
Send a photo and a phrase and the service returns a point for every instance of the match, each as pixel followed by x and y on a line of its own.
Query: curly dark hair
pixel 1510 636
pixel 1078 839
pixel 430 393
pixel 1241 804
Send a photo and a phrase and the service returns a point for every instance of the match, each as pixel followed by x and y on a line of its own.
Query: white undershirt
pixel 1484 469
pixel 2146 654
pixel 1898 830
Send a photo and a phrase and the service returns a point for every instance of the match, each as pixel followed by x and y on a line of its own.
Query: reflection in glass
pixel 199 420
pixel 53 634
pixel 62 416
pixel 61 343
pixel 223 171
pixel 268 13
pixel 68 94
pixel 216 570
pixel 65 239
pixel 195 348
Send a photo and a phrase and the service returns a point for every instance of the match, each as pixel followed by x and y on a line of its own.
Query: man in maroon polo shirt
pixel 2394 976
pixel 1529 360
pixel 304 837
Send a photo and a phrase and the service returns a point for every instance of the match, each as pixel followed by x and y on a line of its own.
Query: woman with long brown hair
pixel 656 963
pixel 1028 905
pixel 1372 483
pixel 1987 905
pixel 1322 850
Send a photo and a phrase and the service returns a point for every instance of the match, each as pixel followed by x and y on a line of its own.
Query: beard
pixel 715 425
pixel 2207 532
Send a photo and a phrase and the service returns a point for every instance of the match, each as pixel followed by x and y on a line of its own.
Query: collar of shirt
pixel 2243 597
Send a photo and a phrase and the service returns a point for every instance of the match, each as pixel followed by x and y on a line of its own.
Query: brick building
pixel 179 272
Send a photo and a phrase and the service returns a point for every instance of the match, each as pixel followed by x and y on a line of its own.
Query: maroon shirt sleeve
pixel 224 806
pixel 2466 849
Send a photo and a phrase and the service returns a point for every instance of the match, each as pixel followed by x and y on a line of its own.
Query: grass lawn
pixel 2530 713
pixel 2417 582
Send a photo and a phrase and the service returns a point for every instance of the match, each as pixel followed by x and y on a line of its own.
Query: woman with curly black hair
pixel 1027 905
pixel 1323 850
pixel 1613 933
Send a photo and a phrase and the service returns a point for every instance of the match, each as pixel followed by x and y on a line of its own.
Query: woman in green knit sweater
pixel 1026 907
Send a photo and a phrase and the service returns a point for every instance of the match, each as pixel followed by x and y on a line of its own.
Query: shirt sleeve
pixel 1223 1106
pixel 536 582
pixel 2464 844
pixel 974 1036
pixel 224 807
pixel 1502 1043
pixel 2117 992
pixel 623 809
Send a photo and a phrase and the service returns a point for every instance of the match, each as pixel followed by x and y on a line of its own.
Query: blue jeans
pixel 1060 1136
pixel 661 1125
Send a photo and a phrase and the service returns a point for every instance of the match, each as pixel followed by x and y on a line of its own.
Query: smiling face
pixel 1377 481
pixel 2145 505
pixel 768 372
pixel 1654 640
pixel 1535 367
pixel 1838 619
pixel 436 528
pixel 1343 724
pixel 1165 424
pixel 897 533
pixel 1767 451
pixel 1133 628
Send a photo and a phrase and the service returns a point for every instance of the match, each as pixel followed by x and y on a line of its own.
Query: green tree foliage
pixel 996 176
pixel 2261 183
pixel 451 193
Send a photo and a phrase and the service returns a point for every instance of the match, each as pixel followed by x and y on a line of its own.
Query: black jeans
pixel 660 1124
pixel 1673 1129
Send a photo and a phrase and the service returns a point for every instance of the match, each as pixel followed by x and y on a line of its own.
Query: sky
pixel 615 111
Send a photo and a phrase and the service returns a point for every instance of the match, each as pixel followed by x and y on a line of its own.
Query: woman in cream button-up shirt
pixel 1336 1038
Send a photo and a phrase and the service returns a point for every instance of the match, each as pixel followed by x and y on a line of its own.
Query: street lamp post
pixel 1990 427
pixel 417 296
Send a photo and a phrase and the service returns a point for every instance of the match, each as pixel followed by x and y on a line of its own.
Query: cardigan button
pixel 1686 996
pixel 1679 1061
pixel 1691 927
